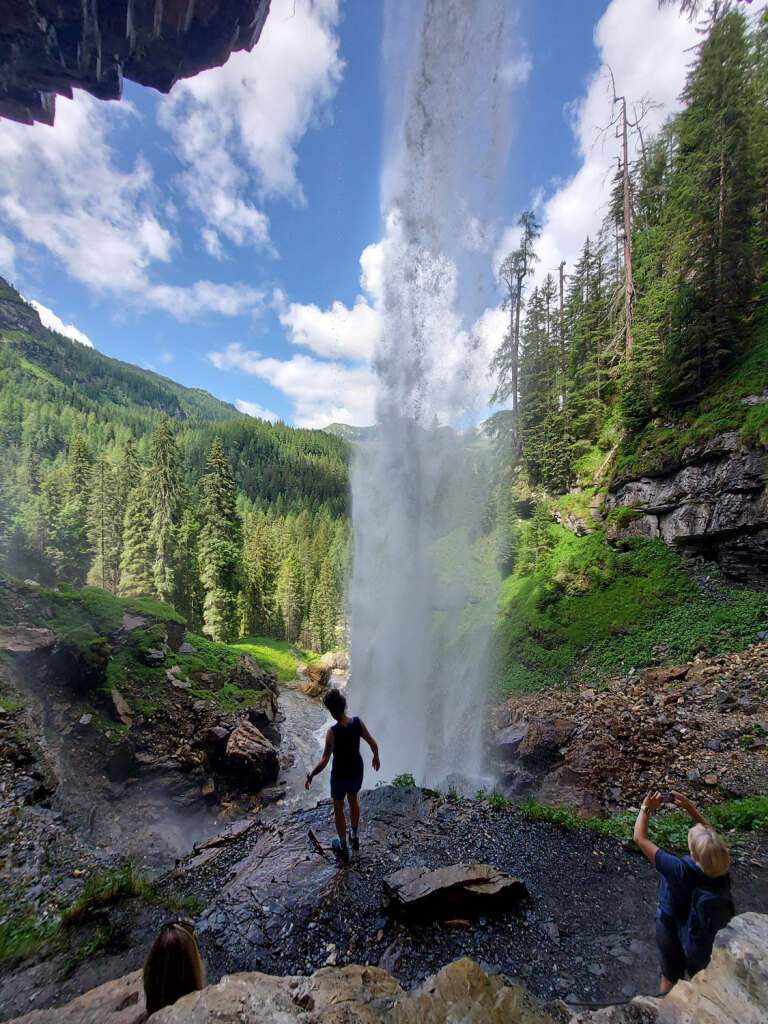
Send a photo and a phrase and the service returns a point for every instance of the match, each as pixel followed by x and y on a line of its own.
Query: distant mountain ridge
pixel 52 388
pixel 101 377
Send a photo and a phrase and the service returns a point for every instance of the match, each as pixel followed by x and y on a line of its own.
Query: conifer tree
pixel 136 562
pixel 72 519
pixel 220 547
pixel 166 496
pixel 105 526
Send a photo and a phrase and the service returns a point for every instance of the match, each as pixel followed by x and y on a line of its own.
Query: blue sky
pixel 228 235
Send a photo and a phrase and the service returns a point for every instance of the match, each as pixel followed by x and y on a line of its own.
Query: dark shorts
pixel 341 787
pixel 671 955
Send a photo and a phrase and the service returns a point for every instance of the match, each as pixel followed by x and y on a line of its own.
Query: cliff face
pixel 50 48
pixel 713 502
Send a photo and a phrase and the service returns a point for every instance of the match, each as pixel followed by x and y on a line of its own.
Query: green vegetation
pixel 406 779
pixel 103 887
pixel 23 931
pixel 113 476
pixel 668 830
pixel 574 603
pixel 634 355
pixel 277 656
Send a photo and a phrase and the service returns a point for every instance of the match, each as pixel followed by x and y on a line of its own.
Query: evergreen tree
pixel 105 526
pixel 72 518
pixel 136 562
pixel 220 547
pixel 166 496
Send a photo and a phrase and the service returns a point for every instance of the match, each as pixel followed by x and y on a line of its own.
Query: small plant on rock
pixel 406 779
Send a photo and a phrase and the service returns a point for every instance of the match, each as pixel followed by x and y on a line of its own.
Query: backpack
pixel 710 911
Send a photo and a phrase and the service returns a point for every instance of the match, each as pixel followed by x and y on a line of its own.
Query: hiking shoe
pixel 340 849
pixel 353 839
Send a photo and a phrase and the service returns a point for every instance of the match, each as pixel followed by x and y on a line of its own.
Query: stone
pixel 187 648
pixel 456 889
pixel 664 676
pixel 153 657
pixel 117 1002
pixel 710 779
pixel 250 755
pixel 121 761
pixel 338 660
pixel 734 987
pixel 544 739
pixel 310 688
pixel 25 639
pixel 121 708
pixel 319 674
pixel 85 719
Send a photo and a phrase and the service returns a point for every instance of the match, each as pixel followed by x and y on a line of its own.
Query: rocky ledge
pixel 701 727
pixel 713 501
pixel 47 49
pixel 733 988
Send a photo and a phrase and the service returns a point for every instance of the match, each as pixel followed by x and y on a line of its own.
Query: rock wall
pixel 712 502
pixel 50 48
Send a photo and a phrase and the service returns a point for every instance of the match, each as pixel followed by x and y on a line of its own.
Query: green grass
pixel 23 931
pixel 575 604
pixel 275 655
pixel 103 887
pixel 668 830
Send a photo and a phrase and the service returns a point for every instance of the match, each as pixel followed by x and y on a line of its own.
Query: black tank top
pixel 347 762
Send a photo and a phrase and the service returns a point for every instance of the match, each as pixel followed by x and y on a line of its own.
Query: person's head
pixel 709 851
pixel 336 703
pixel 173 967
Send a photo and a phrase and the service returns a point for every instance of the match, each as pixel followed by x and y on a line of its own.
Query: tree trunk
pixel 629 284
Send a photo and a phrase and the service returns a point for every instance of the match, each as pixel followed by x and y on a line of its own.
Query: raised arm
pixel 651 803
pixel 371 743
pixel 323 760
pixel 682 801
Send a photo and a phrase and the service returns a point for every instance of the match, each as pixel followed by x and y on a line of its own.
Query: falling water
pixel 424 587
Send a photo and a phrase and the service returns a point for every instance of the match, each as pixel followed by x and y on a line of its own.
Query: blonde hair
pixel 173 967
pixel 709 851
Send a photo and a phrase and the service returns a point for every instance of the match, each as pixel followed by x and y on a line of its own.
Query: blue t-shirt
pixel 679 877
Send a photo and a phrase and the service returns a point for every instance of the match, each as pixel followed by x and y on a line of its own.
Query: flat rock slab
pixel 458 888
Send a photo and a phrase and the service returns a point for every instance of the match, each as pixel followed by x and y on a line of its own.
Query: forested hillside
pixel 113 475
pixel 655 341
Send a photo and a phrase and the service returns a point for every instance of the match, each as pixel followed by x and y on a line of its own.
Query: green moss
pixel 229 699
pixel 624 515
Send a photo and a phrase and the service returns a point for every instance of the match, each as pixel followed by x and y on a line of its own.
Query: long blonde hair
pixel 173 967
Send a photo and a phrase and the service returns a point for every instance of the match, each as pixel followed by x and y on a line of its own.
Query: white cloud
pixel 320 392
pixel 166 357
pixel 236 127
pixel 64 192
pixel 49 319
pixel 372 271
pixel 649 52
pixel 258 412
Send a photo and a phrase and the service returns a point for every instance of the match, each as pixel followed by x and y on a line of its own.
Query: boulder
pixel 117 1002
pixel 453 890
pixel 544 739
pixel 318 673
pixel 664 676
pixel 734 987
pixel 25 639
pixel 338 660
pixel 248 674
pixel 251 756
pixel 310 688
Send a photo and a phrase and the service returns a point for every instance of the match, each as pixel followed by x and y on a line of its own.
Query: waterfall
pixel 423 592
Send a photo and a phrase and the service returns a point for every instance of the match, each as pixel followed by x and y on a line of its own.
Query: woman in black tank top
pixel 342 741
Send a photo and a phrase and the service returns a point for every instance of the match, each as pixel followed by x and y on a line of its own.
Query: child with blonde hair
pixel 694 892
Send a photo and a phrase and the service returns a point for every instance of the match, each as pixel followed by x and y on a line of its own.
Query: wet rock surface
pixel 700 727
pixel 469 889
